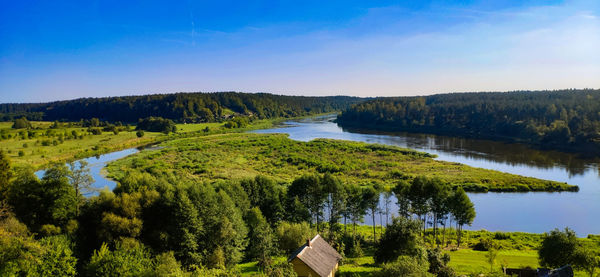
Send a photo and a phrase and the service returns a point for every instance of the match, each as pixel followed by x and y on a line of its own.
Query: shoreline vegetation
pixel 564 120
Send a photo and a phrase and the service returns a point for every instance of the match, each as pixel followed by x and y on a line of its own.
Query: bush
pixel 402 237
pixel 293 235
pixel 156 124
pixel 21 123
pixel 405 266
pixel 139 133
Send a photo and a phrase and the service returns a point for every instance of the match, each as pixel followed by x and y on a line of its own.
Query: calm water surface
pixel 535 212
pixel 96 164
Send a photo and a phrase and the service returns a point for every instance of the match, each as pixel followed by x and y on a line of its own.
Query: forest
pixel 564 119
pixel 180 107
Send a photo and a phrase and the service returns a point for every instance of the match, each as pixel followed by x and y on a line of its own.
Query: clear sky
pixel 52 50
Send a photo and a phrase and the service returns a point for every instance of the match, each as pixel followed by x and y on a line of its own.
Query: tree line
pixel 180 107
pixel 563 119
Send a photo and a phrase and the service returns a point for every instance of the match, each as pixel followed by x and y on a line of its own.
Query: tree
pixel 440 192
pixel 21 123
pixel 129 258
pixel 401 192
pixel 51 201
pixel 462 210
pixel 310 192
pixel 419 198
pixel 335 201
pixel 290 236
pixel 5 174
pixel 265 194
pixel 261 239
pixel 356 206
pixel 586 259
pixel 558 248
pixel 80 177
pixel 139 133
pixel 400 238
pixel 371 199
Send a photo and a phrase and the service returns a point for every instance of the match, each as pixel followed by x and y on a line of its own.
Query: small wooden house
pixel 316 258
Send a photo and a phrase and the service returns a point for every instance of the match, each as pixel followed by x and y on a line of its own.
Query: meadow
pixel 237 156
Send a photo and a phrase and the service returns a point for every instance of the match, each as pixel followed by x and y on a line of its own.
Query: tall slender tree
pixel 462 210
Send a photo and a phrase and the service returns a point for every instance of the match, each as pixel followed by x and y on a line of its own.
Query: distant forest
pixel 565 119
pixel 181 107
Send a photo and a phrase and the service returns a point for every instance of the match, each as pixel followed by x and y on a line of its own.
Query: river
pixel 96 165
pixel 534 212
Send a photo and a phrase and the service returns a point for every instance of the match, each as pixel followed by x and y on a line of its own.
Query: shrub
pixel 293 235
pixel 139 133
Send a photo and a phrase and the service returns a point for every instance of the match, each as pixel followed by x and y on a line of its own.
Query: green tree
pixel 5 174
pixel 51 201
pixel 80 178
pixel 291 235
pixel 264 193
pixel 311 193
pixel 462 210
pixel 261 239
pixel 21 123
pixel 400 238
pixel 371 199
pixel 129 258
pixel 558 248
pixel 586 259
pixel 139 133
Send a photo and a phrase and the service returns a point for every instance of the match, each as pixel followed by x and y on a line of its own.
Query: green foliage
pixel 261 240
pixel 49 201
pixel 265 194
pixel 139 133
pixel 128 258
pixel 156 124
pixel 242 156
pixel 182 107
pixel 21 255
pixel 558 248
pixel 412 266
pixel 566 119
pixel 290 235
pixel 21 123
pixel 400 238
pixel 5 174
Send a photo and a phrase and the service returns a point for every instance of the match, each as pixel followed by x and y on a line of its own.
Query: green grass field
pixel 43 148
pixel 243 155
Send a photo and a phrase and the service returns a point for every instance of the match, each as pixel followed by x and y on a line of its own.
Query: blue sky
pixel 53 50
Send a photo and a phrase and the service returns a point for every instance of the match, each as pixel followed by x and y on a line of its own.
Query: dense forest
pixel 181 107
pixel 565 119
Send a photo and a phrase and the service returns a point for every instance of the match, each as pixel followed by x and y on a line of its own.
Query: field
pixel 242 155
pixel 42 145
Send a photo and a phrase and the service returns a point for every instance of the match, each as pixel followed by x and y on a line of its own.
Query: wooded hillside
pixel 181 107
pixel 566 119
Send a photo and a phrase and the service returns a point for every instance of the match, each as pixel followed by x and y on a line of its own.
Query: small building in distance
pixel 316 258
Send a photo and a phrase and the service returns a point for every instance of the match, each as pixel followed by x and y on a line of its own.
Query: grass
pixel 466 261
pixel 32 151
pixel 241 155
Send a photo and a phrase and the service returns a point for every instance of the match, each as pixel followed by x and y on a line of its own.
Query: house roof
pixel 319 256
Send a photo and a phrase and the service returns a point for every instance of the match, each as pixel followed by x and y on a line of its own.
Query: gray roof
pixel 320 256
